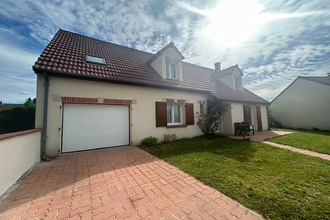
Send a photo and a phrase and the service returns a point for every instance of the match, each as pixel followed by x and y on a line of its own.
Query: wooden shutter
pixel 190 119
pixel 247 114
pixel 161 114
pixel 259 118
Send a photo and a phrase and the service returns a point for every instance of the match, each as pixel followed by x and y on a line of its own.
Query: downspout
pixel 267 108
pixel 44 135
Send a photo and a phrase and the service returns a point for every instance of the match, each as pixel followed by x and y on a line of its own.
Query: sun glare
pixel 233 21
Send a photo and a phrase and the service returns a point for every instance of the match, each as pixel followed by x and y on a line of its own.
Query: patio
pixel 116 183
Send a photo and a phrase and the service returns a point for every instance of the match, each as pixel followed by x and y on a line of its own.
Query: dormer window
pixel 95 59
pixel 171 71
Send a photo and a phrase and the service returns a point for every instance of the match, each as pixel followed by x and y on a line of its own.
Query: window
pixel 174 114
pixel 170 71
pixel 170 114
pixel 202 109
pixel 95 59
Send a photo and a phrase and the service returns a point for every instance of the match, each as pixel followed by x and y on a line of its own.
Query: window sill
pixel 176 126
pixel 202 116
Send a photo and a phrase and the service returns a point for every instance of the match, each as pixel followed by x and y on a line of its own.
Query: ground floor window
pixel 174 114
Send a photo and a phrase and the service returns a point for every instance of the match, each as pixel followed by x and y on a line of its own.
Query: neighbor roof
pixel 319 79
pixel 65 56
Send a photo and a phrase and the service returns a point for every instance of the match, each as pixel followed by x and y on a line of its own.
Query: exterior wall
pixel 228 80
pixel 264 118
pixel 304 104
pixel 19 151
pixel 237 115
pixel 143 115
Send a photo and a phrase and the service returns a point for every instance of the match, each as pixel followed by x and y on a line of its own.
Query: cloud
pixel 18 82
pixel 290 38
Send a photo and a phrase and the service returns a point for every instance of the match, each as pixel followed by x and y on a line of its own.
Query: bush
pixel 149 141
pixel 272 122
pixel 18 118
pixel 210 124
pixel 169 138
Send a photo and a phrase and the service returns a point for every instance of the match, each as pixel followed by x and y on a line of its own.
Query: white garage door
pixel 92 126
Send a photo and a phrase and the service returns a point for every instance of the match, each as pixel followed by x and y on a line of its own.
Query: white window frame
pixel 172 113
pixel 169 72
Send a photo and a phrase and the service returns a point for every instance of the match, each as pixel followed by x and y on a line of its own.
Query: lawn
pixel 277 183
pixel 318 141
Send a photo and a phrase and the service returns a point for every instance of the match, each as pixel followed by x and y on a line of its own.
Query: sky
pixel 272 42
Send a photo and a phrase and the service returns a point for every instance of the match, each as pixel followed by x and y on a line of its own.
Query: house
pixel 93 94
pixel 4 106
pixel 305 103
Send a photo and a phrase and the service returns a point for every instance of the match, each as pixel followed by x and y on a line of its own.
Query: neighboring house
pixel 4 106
pixel 305 103
pixel 100 94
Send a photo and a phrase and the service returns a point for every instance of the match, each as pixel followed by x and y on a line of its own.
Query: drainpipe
pixel 267 108
pixel 44 135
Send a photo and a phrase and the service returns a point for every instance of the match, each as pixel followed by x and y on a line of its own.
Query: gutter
pixel 44 134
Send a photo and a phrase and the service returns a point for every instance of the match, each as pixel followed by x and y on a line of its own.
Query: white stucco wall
pixel 304 104
pixel 143 114
pixel 237 115
pixel 18 153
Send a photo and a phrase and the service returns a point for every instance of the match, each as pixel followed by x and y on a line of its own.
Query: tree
pixel 210 124
pixel 18 118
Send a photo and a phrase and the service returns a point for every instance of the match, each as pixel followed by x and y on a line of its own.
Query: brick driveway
pixel 116 183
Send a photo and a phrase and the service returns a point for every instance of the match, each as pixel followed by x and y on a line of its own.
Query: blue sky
pixel 272 41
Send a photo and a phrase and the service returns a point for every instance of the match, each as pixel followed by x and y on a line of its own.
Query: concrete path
pixel 118 183
pixel 263 135
pixel 307 152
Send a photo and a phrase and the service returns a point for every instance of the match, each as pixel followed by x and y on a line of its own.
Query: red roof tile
pixel 65 56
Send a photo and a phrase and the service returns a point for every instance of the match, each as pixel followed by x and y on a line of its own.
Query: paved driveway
pixel 116 183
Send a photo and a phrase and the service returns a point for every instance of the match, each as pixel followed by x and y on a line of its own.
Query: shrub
pixel 169 138
pixel 149 141
pixel 272 122
pixel 18 118
pixel 210 124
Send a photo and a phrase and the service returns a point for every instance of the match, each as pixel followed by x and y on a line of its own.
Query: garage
pixel 93 126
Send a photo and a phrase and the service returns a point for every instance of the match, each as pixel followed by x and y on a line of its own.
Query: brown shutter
pixel 190 119
pixel 247 114
pixel 259 118
pixel 161 114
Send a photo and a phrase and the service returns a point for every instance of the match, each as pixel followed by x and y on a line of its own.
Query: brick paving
pixel 118 183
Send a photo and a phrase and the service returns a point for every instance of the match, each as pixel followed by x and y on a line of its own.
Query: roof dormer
pixel 168 62
pixel 231 76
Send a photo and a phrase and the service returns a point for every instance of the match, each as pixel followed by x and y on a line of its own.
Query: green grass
pixel 318 141
pixel 277 183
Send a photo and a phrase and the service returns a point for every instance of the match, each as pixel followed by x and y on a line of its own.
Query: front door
pixel 259 118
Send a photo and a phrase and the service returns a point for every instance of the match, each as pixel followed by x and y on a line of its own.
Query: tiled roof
pixel 319 79
pixel 4 106
pixel 65 56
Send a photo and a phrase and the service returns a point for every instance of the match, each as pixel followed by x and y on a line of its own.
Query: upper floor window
pixel 171 71
pixel 202 108
pixel 95 59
